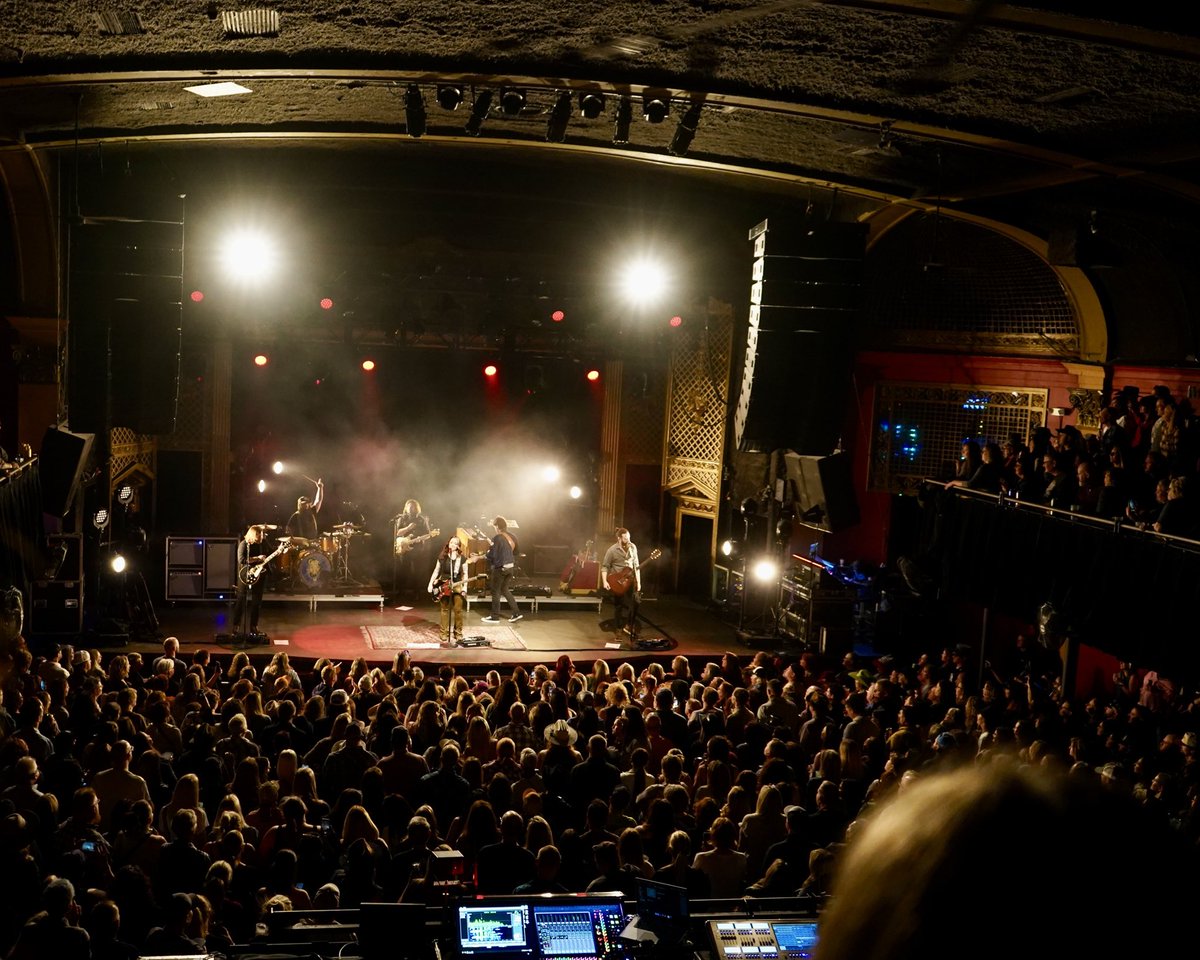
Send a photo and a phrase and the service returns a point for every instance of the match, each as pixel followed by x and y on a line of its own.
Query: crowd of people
pixel 164 806
pixel 1141 465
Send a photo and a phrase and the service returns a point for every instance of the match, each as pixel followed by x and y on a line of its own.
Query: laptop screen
pixel 661 903
pixel 494 929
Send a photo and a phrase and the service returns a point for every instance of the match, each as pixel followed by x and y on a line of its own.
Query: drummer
pixel 303 523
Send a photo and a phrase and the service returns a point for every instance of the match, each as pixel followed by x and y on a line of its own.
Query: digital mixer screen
pixel 486 930
pixel 578 931
pixel 554 928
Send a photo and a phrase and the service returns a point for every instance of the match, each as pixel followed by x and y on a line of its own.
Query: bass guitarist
pixel 622 574
pixel 448 585
pixel 250 582
pixel 408 525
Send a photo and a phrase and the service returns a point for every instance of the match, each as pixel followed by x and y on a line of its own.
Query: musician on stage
pixel 622 556
pixel 249 555
pixel 502 563
pixel 448 585
pixel 411 558
pixel 303 523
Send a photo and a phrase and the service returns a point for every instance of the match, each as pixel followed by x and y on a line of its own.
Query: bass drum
pixel 287 562
pixel 313 568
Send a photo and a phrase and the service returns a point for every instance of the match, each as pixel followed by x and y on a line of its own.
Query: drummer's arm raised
pixel 320 497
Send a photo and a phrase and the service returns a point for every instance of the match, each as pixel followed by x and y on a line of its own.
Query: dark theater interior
pixel 423 425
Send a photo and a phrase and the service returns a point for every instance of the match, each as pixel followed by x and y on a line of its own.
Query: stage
pixel 375 626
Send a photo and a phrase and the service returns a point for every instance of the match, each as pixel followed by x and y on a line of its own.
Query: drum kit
pixel 314 563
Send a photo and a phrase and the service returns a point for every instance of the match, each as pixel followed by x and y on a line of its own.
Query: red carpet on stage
pixel 423 635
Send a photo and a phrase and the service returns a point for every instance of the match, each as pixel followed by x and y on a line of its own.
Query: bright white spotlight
pixel 765 570
pixel 249 255
pixel 551 474
pixel 262 486
pixel 727 548
pixel 277 467
pixel 645 281
pixel 117 563
pixel 576 492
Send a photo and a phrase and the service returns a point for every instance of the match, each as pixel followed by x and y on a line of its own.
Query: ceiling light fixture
pixel 681 142
pixel 449 96
pixel 591 104
pixel 479 112
pixel 560 116
pixel 512 101
pixel 656 104
pixel 414 111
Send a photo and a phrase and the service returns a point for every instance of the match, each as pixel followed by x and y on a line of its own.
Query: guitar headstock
pixel 654 555
pixel 435 531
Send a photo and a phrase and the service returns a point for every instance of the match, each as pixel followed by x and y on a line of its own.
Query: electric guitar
pixel 251 574
pixel 622 580
pixel 405 544
pixel 444 588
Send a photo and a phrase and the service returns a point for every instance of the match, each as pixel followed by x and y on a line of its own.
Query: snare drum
pixel 313 568
pixel 329 543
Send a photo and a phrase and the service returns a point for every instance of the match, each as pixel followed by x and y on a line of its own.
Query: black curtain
pixel 21 539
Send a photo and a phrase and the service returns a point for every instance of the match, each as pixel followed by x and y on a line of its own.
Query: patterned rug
pixel 423 635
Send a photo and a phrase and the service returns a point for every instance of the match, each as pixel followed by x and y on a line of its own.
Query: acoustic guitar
pixel 622 580
pixel 405 544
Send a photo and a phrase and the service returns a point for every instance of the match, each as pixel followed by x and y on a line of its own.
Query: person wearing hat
pixel 303 523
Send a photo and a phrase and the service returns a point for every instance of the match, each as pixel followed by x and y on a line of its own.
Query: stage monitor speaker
pixel 57 607
pixel 61 462
pixel 824 490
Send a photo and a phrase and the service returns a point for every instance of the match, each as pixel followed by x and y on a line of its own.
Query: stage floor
pixel 346 627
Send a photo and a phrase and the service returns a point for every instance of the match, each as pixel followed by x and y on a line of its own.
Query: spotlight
pixel 479 112
pixel 593 375
pixel 765 570
pixel 125 495
pixel 622 120
pixel 576 492
pixel 676 321
pixel 261 359
pixel 326 303
pixel 117 563
pixel 560 116
pixel 368 365
pixel 656 104
pixel 731 549
pixel 685 131
pixel 449 96
pixel 490 370
pixel 551 473
pixel 512 101
pixel 197 296
pixel 558 316
pixel 249 255
pixel 100 519
pixel 644 281
pixel 414 111
pixel 262 486
pixel 277 467
pixel 591 104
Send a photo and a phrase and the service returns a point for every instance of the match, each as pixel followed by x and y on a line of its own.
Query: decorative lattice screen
pixel 919 428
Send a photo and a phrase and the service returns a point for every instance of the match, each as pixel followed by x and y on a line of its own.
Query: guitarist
pixel 448 584
pixel 249 555
pixel 502 562
pixel 411 522
pixel 623 555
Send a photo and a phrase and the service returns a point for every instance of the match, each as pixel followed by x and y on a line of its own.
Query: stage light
pixel 591 104
pixel 479 112
pixel 368 365
pixel 197 296
pixel 249 255
pixel 681 142
pixel 262 486
pixel 449 96
pixel 125 495
pixel 622 120
pixel 326 303
pixel 731 549
pixel 277 467
pixel 593 375
pixel 100 519
pixel 560 117
pixel 558 316
pixel 645 281
pixel 551 473
pixel 656 104
pixel 512 101
pixel 414 112
pixel 117 563
pixel 490 370
pixel 576 492
pixel 765 571
pixel 676 321
pixel 261 359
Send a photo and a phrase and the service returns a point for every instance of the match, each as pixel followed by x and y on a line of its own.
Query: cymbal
pixel 346 526
pixel 298 541
pixel 264 526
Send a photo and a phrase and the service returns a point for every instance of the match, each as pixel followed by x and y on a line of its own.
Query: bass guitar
pixel 624 579
pixel 251 574
pixel 405 544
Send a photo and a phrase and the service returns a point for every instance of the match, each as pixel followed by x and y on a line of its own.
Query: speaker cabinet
pixel 201 568
pixel 824 490
pixel 61 462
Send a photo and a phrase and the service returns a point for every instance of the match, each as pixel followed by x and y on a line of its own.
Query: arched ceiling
pixel 973 106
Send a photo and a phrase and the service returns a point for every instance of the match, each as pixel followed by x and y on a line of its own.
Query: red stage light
pixel 197 296
pixel 368 365
pixel 677 321
pixel 593 375
pixel 557 316
pixel 326 303
pixel 261 360
pixel 490 370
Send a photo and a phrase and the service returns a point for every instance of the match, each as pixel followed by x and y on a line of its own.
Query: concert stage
pixel 343 627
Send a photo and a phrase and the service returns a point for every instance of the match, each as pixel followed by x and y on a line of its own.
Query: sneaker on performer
pixel 490 619
pixel 515 617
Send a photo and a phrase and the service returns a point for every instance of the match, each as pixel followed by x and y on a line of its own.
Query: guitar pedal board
pixel 765 939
